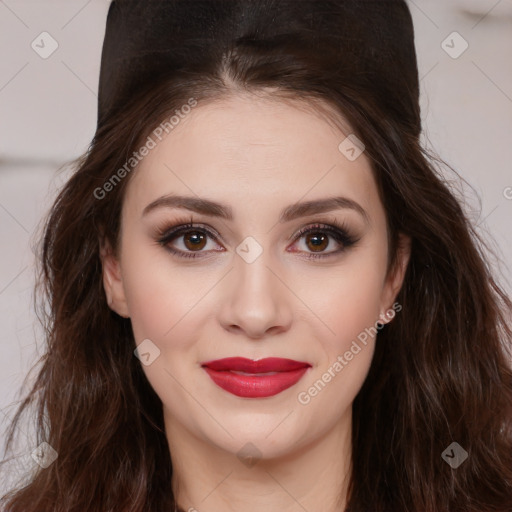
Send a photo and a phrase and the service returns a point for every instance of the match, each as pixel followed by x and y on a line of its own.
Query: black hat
pixel 147 40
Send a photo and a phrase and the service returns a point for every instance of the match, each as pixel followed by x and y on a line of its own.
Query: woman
pixel 263 295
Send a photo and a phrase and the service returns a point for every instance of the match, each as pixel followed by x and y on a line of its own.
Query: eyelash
pixel 338 231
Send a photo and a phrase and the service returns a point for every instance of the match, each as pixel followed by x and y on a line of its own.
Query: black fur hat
pixel 150 40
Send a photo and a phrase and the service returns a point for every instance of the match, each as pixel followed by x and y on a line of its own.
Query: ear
pixel 395 277
pixel 112 280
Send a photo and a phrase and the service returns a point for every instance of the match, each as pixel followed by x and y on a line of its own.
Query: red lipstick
pixel 255 379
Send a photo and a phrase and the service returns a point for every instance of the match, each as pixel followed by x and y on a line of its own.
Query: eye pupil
pixel 197 238
pixel 320 241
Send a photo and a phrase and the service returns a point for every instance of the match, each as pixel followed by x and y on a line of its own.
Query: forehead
pixel 248 149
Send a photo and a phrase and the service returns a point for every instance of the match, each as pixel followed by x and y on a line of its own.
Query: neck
pixel 311 477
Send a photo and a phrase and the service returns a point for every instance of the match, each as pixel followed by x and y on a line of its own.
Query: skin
pixel 257 156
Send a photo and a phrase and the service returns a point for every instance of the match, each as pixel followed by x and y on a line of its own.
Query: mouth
pixel 255 379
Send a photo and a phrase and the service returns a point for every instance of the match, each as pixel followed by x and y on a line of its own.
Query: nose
pixel 256 301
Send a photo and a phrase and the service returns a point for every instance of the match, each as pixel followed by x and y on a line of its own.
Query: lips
pixel 255 379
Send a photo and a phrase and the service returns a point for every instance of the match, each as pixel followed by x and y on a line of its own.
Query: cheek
pixel 346 299
pixel 349 306
pixel 165 306
pixel 168 304
pixel 156 296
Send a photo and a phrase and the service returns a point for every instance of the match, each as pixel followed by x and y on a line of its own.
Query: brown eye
pixel 194 240
pixel 187 241
pixel 319 242
pixel 319 237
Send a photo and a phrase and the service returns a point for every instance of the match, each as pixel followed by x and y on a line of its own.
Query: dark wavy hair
pixel 441 370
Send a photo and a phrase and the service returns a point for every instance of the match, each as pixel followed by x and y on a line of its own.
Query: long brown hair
pixel 441 371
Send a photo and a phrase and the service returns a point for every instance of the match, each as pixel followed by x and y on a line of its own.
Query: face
pixel 277 276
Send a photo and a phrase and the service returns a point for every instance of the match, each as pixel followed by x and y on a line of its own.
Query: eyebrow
pixel 289 213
